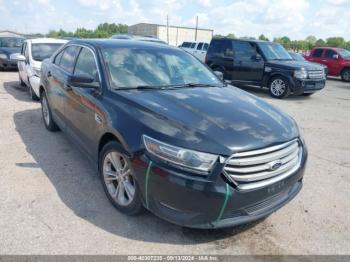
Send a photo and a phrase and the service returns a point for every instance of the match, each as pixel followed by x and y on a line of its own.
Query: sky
pixel 294 18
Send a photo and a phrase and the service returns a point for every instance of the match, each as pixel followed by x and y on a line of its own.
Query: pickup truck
pixel 337 60
pixel 198 49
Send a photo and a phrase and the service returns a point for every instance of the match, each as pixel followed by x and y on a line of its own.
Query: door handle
pixel 67 87
pixel 49 74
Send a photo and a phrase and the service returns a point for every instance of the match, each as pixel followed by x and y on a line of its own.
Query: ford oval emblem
pixel 274 165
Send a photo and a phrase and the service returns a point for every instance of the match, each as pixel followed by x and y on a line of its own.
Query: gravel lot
pixel 51 200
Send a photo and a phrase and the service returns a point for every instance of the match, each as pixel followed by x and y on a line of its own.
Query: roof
pixel 174 26
pixel 243 40
pixel 47 40
pixel 106 43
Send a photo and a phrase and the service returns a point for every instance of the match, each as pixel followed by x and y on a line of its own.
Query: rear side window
pixel 193 45
pixel 205 48
pixel 317 53
pixel 86 64
pixel 199 46
pixel 221 48
pixel 68 57
pixel 329 54
pixel 244 50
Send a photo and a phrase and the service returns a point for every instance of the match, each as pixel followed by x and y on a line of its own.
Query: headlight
pixel 185 158
pixel 37 71
pixel 3 56
pixel 301 74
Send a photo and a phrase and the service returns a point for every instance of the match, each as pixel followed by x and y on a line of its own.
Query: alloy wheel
pixel 45 111
pixel 118 178
pixel 278 87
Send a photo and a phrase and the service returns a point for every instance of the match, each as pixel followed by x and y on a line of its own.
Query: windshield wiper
pixel 195 85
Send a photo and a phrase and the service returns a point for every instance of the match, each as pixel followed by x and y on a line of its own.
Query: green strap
pixel 227 195
pixel 146 182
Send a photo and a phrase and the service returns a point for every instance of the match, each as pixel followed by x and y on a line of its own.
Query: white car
pixel 198 49
pixel 33 52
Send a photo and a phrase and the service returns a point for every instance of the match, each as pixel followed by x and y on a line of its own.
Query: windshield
pixel 344 53
pixel 274 51
pixel 11 42
pixel 43 51
pixel 296 56
pixel 155 67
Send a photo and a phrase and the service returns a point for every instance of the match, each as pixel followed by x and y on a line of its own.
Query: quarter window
pixel 86 64
pixel 329 54
pixel 67 60
pixel 317 53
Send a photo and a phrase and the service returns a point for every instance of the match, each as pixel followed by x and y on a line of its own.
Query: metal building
pixel 174 35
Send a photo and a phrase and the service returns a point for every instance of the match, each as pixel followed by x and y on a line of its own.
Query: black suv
pixel 265 64
pixel 167 134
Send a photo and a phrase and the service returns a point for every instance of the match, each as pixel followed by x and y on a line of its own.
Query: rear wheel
pixel 47 115
pixel 118 179
pixel 345 75
pixel 279 87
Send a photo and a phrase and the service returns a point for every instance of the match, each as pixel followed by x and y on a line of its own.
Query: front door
pixel 331 62
pixel 247 67
pixel 82 104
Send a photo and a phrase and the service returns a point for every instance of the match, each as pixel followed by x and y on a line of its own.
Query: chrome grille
pixel 316 74
pixel 264 166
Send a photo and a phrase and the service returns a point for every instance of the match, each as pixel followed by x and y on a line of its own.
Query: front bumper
pixel 196 202
pixel 301 86
pixel 8 64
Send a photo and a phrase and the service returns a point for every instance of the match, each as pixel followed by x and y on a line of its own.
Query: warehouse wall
pixel 178 35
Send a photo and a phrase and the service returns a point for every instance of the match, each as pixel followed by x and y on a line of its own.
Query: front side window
pixel 317 53
pixel 199 46
pixel 43 51
pixel 274 51
pixel 135 67
pixel 329 54
pixel 67 60
pixel 86 64
pixel 244 51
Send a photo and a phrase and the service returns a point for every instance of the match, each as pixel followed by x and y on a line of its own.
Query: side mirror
pixel 336 56
pixel 82 80
pixel 18 57
pixel 219 74
pixel 257 57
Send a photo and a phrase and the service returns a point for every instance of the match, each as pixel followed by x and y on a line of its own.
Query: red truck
pixel 336 59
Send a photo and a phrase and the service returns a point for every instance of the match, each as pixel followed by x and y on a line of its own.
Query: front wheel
pixel 118 179
pixel 279 87
pixel 345 75
pixel 46 114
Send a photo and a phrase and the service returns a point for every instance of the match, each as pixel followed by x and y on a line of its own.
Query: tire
pixel 47 115
pixel 345 75
pixel 279 87
pixel 127 201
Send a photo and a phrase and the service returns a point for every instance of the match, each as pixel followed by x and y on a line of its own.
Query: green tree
pixel 336 42
pixel 231 36
pixel 320 43
pixel 263 37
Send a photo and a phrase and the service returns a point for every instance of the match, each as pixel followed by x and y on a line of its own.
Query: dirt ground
pixel 51 200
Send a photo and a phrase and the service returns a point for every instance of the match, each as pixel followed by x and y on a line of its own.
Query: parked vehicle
pixel 139 38
pixel 33 52
pixel 198 49
pixel 300 57
pixel 337 60
pixel 8 46
pixel 265 64
pixel 167 134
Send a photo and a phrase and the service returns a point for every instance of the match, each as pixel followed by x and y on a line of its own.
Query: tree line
pixel 301 45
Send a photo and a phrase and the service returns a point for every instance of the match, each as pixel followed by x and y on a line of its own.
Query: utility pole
pixel 167 28
pixel 195 37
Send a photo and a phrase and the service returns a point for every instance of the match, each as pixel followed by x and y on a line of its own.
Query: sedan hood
pixel 215 120
pixel 293 64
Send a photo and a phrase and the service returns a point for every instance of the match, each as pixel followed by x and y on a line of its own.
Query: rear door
pixel 220 56
pixel 81 104
pixel 332 63
pixel 316 56
pixel 246 67
pixel 57 77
